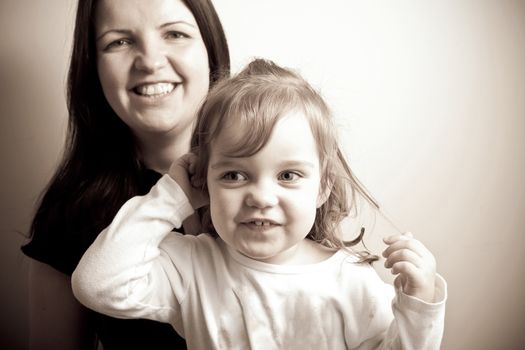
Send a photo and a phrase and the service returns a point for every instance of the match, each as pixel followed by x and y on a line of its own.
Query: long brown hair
pixel 100 168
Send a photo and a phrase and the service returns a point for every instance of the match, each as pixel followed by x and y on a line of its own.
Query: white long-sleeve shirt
pixel 217 298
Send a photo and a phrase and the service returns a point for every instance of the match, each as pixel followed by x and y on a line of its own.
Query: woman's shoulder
pixel 60 247
pixel 61 233
pixel 46 250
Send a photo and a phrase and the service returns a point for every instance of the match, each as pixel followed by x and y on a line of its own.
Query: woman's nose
pixel 151 58
pixel 261 195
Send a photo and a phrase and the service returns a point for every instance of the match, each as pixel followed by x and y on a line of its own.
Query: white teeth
pixel 261 223
pixel 155 89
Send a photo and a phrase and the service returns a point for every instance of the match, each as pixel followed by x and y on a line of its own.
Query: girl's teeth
pixel 155 89
pixel 261 223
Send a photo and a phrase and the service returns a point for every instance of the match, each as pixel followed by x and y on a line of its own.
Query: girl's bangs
pixel 254 116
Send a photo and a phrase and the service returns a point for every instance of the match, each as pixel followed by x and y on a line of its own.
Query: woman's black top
pixel 62 251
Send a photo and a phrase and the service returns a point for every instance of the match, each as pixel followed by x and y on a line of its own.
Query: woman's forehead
pixel 129 14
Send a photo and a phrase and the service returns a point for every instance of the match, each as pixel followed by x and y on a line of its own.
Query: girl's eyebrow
pixel 297 164
pixel 224 164
pixel 128 31
pixel 227 163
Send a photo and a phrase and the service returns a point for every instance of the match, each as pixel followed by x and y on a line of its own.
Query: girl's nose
pixel 261 196
pixel 151 58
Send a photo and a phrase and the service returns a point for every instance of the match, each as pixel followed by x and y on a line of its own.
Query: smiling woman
pixel 138 74
pixel 153 69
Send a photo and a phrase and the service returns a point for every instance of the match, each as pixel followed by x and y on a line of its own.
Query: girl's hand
pixel 413 263
pixel 182 171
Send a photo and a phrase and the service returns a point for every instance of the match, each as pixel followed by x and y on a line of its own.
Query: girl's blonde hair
pixel 254 100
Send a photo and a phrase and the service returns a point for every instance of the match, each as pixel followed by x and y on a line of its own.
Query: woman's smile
pixel 154 89
pixel 153 65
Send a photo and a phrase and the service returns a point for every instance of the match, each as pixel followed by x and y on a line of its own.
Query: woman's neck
pixel 159 151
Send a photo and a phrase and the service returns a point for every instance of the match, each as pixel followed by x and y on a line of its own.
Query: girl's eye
pixel 289 176
pixel 233 176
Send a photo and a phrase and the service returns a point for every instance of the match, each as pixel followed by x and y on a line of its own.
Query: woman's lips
pixel 154 89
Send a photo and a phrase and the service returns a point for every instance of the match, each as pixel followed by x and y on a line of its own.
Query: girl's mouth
pixel 260 224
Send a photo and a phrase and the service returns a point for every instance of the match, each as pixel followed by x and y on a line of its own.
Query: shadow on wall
pixel 32 126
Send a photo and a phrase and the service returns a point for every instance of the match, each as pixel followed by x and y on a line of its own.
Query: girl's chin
pixel 272 257
pixel 258 254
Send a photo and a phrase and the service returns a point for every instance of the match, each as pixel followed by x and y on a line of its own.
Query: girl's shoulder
pixel 362 275
pixel 181 241
pixel 197 248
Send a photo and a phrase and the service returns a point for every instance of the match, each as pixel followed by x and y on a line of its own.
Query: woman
pixel 139 71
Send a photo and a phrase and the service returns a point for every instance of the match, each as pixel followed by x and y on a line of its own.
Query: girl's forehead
pixel 291 129
pixel 230 133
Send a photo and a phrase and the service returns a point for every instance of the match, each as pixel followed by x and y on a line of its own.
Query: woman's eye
pixel 117 44
pixel 233 176
pixel 176 35
pixel 289 176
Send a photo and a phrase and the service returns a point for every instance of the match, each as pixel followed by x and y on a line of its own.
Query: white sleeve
pixel 419 324
pixel 416 325
pixel 124 273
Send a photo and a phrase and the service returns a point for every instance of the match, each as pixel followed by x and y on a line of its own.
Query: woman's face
pixel 152 64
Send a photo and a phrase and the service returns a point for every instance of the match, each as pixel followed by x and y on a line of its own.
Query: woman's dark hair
pixel 101 168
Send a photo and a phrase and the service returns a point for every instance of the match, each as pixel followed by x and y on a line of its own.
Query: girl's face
pixel 152 64
pixel 264 205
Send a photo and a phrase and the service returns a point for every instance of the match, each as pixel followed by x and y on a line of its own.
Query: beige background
pixel 430 98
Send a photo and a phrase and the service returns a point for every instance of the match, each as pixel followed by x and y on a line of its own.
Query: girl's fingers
pixel 406 243
pixel 195 183
pixel 395 238
pixel 187 163
pixel 191 158
pixel 406 269
pixel 414 265
pixel 399 282
pixel 413 281
pixel 403 255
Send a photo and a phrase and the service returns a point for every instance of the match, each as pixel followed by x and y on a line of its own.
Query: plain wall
pixel 430 101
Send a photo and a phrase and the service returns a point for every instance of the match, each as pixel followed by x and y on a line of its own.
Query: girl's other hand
pixel 413 263
pixel 182 171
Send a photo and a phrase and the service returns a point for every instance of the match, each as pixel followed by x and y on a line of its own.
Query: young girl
pixel 272 272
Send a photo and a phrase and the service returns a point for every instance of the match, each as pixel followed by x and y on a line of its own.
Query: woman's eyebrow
pixel 167 24
pixel 128 31
pixel 117 31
